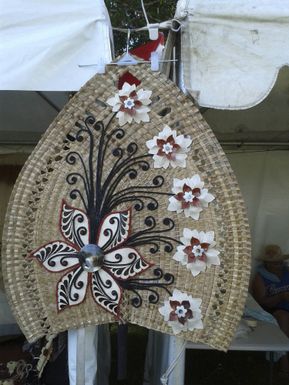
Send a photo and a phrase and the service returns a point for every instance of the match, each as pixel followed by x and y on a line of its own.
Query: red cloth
pixel 144 51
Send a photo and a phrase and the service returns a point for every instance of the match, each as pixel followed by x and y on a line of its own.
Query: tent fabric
pixel 97 355
pixel 264 183
pixel 44 48
pixel 144 51
pixel 232 50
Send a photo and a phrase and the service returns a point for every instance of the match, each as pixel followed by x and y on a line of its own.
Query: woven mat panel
pixel 33 216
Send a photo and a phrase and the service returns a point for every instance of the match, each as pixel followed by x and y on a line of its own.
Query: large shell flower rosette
pixel 198 251
pixel 131 104
pixel 182 312
pixel 100 266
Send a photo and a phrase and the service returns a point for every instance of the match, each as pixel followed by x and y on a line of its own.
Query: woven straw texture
pixel 33 215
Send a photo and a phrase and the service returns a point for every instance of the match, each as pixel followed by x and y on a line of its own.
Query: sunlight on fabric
pixel 43 43
pixel 232 51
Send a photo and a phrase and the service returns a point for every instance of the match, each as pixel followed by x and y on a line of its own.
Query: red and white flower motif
pixel 190 196
pixel 168 148
pixel 131 104
pixel 197 251
pixel 99 266
pixel 182 312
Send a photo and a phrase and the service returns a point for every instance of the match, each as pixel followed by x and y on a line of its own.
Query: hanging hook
pixel 153 28
pixel 176 25
pixel 126 58
pixel 127 40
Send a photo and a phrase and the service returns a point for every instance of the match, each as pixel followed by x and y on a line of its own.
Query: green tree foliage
pixel 129 14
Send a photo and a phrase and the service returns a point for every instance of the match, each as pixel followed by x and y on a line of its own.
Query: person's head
pixel 273 258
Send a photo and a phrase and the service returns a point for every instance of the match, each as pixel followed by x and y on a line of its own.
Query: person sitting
pixel 270 288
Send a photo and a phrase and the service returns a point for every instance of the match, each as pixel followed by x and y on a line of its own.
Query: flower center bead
pixel 180 311
pixel 188 196
pixel 129 103
pixel 198 251
pixel 92 257
pixel 167 148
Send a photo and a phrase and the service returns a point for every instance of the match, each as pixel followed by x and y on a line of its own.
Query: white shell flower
pixel 197 251
pixel 169 149
pixel 131 104
pixel 190 196
pixel 182 312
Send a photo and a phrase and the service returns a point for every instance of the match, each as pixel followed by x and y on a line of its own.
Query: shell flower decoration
pixel 197 251
pixel 131 105
pixel 182 312
pixel 101 266
pixel 169 149
pixel 190 196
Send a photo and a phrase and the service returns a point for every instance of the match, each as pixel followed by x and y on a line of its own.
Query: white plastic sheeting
pixel 44 42
pixel 264 183
pixel 232 50
pixel 95 347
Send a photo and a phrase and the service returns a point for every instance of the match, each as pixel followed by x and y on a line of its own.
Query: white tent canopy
pixel 232 50
pixel 44 42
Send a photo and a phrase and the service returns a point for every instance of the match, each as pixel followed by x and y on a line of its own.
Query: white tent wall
pixel 25 115
pixel 264 183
